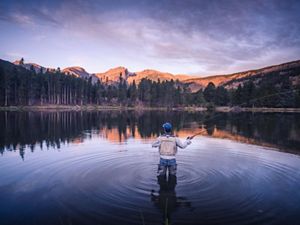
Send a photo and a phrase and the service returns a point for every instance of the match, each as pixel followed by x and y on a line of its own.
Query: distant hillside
pixel 233 80
pixel 195 83
pixel 80 72
pixel 229 81
pixel 29 66
pixel 290 69
pixel 9 67
pixel 74 70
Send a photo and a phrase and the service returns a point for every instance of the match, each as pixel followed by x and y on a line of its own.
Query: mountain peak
pixel 18 62
pixel 113 75
pixel 76 71
pixel 120 69
pixel 78 68
pixel 29 66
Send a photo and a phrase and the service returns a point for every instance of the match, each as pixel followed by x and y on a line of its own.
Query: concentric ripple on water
pixel 218 182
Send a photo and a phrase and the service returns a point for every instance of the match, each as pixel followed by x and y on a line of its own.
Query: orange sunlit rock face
pixel 195 83
pixel 113 75
pixel 76 71
pixel 223 79
pixel 155 75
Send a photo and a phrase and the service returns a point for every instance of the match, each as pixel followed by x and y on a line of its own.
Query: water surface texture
pixel 99 168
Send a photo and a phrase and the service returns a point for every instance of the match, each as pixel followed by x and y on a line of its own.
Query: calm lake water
pixel 99 168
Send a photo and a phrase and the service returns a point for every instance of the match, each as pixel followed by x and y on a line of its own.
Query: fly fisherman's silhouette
pixel 167 144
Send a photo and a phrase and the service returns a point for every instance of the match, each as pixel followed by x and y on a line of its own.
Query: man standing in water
pixel 167 144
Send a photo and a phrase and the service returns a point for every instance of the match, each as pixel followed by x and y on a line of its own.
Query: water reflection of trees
pixel 282 130
pixel 52 129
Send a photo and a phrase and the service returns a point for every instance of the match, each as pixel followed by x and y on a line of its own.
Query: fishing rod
pixel 191 137
pixel 250 101
pixel 196 134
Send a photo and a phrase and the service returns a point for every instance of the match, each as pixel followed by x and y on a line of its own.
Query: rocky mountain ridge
pixel 233 80
pixel 112 76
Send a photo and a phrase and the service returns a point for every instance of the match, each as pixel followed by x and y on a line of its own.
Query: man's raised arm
pixel 184 144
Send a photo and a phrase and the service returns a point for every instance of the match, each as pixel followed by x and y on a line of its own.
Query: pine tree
pixel 178 97
pixel 248 94
pixel 237 96
pixel 209 92
pixel 132 92
pixel 122 90
pixel 199 99
pixel 297 97
pixel 286 93
pixel 221 96
pixel 2 87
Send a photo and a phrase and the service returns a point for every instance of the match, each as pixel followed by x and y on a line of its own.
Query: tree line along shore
pixel 28 89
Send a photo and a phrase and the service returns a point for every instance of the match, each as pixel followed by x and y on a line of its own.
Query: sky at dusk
pixel 178 36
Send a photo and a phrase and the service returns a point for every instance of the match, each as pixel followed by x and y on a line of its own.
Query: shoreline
pixel 226 109
pixel 257 109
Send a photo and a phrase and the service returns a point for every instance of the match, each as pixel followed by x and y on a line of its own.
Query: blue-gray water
pixel 99 168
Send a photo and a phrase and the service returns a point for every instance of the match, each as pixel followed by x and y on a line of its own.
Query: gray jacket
pixel 169 154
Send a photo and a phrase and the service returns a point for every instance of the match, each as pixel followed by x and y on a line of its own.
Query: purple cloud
pixel 198 37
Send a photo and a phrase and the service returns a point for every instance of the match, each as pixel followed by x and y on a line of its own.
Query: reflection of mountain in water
pixel 217 133
pixel 51 129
